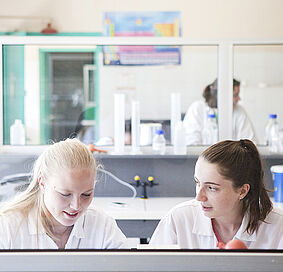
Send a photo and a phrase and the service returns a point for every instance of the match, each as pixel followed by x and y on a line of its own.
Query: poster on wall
pixel 142 24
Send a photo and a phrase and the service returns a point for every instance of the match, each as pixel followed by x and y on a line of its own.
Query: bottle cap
pixel 18 121
pixel 272 116
pixel 276 169
pixel 159 132
pixel 211 115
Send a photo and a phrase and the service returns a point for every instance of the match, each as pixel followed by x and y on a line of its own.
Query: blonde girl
pixel 54 211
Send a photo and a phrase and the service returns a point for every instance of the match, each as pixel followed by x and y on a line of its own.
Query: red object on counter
pixel 235 244
pixel 49 30
pixel 92 149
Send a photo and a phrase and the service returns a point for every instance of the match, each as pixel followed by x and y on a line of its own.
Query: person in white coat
pixel 54 212
pixel 195 119
pixel 231 203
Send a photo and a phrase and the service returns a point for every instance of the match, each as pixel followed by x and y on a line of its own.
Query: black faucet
pixel 149 182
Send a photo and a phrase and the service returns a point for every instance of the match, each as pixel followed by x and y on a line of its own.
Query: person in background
pixel 85 133
pixel 231 203
pixel 196 116
pixel 54 212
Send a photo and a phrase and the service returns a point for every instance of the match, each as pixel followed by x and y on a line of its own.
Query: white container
pixel 180 146
pixel 277 175
pixel 119 123
pixel 159 143
pixel 17 133
pixel 271 121
pixel 147 132
pixel 175 113
pixel 210 130
pixel 135 130
pixel 274 141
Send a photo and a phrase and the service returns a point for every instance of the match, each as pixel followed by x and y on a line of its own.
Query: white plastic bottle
pixel 159 142
pixel 274 141
pixel 210 131
pixel 180 146
pixel 271 120
pixel 17 133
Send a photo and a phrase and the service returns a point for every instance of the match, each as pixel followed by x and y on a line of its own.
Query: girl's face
pixel 236 95
pixel 68 194
pixel 217 196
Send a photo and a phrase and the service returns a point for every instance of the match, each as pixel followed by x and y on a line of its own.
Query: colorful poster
pixel 146 24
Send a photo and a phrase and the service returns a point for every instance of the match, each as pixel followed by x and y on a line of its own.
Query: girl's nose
pixel 75 204
pixel 200 195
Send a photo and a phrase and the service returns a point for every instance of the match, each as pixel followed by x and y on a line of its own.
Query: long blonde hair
pixel 67 154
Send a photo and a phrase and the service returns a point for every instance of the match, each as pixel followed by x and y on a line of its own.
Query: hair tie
pixel 243 144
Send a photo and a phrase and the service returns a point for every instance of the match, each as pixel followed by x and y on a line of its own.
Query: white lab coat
pixel 186 226
pixel 195 121
pixel 93 230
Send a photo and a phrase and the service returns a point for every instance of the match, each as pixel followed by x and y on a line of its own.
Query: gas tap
pixel 149 182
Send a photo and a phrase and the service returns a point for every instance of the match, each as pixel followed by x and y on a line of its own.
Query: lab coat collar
pixel 35 226
pixel 203 226
pixel 242 234
pixel 78 229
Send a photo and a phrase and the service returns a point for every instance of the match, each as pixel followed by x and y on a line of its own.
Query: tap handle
pixel 137 180
pixel 151 181
pixel 150 178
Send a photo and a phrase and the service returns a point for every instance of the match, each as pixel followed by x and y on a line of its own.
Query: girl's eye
pixel 211 188
pixel 87 195
pixel 65 195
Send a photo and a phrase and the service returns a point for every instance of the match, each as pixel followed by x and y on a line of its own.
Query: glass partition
pixel 67 90
pixel 260 69
pixel 51 89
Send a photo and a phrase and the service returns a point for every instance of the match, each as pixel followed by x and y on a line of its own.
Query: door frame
pixel 45 86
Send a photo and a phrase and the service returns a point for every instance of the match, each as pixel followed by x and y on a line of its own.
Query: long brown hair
pixel 240 162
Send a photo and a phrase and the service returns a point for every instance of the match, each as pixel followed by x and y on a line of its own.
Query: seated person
pixel 85 133
pixel 196 116
pixel 231 203
pixel 54 211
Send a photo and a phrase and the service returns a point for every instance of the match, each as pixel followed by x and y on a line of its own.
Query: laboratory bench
pixel 125 208
pixel 137 217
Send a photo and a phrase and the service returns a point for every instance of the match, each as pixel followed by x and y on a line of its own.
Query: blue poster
pixel 141 24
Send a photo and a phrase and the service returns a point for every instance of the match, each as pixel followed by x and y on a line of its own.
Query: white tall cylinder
pixel 179 144
pixel 119 123
pixel 135 132
pixel 175 113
